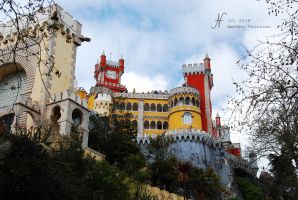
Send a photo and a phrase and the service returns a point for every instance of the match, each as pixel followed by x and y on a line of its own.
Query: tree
pixel 266 106
pixel 115 137
pixel 162 163
pixel 205 184
pixel 43 166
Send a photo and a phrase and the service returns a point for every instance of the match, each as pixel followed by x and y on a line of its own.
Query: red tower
pixel 199 76
pixel 108 74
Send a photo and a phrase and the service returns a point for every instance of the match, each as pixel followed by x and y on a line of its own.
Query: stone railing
pixel 68 95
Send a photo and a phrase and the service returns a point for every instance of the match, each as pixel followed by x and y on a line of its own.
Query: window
pixel 187 100
pixel 152 125
pixel 152 107
pixel 146 125
pixel 159 108
pixel 165 125
pixel 159 125
pixel 135 107
pixel 146 107
pixel 165 108
pixel 187 118
pixel 128 106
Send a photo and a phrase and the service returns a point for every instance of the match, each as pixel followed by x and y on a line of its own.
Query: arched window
pixel 135 123
pixel 152 107
pixel 197 103
pixel 187 118
pixel 159 125
pixel 146 107
pixel 187 101
pixel 135 107
pixel 181 101
pixel 175 102
pixel 165 125
pixel 193 102
pixel 128 106
pixel 152 125
pixel 165 108
pixel 77 117
pixel 116 106
pixel 159 108
pixel 122 106
pixel 146 125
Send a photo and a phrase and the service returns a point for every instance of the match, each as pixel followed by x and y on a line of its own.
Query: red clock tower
pixel 108 74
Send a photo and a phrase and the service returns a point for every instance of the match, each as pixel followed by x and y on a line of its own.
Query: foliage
pixel 285 182
pixel 267 104
pixel 249 190
pixel 46 167
pixel 115 137
pixel 205 184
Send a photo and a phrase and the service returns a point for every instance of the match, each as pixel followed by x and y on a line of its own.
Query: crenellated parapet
pixel 51 17
pixel 68 95
pixel 193 68
pixel 181 135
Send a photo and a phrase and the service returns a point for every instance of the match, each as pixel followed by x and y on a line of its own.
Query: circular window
pixel 187 118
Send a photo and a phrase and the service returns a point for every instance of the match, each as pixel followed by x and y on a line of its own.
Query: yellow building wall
pixel 176 118
pixel 64 63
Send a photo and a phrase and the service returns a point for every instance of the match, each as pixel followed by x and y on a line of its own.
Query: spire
pixel 217 115
pixel 206 56
pixel 103 53
pixel 121 57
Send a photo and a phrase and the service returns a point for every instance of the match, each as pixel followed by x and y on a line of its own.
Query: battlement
pixel 113 63
pixel 104 97
pixel 68 95
pixel 180 135
pixel 65 21
pixel 193 68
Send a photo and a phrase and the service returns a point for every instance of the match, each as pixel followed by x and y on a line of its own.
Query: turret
pixel 207 64
pixel 103 59
pixel 121 64
pixel 217 121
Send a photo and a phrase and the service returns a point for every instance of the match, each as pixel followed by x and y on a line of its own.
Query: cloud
pixel 144 83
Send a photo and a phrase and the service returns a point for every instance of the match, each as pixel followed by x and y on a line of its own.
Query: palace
pixel 155 112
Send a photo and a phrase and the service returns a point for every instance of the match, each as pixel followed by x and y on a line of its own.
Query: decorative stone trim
pixel 142 96
pixel 184 90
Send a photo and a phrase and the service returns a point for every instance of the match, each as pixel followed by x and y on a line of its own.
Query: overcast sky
pixel 157 36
